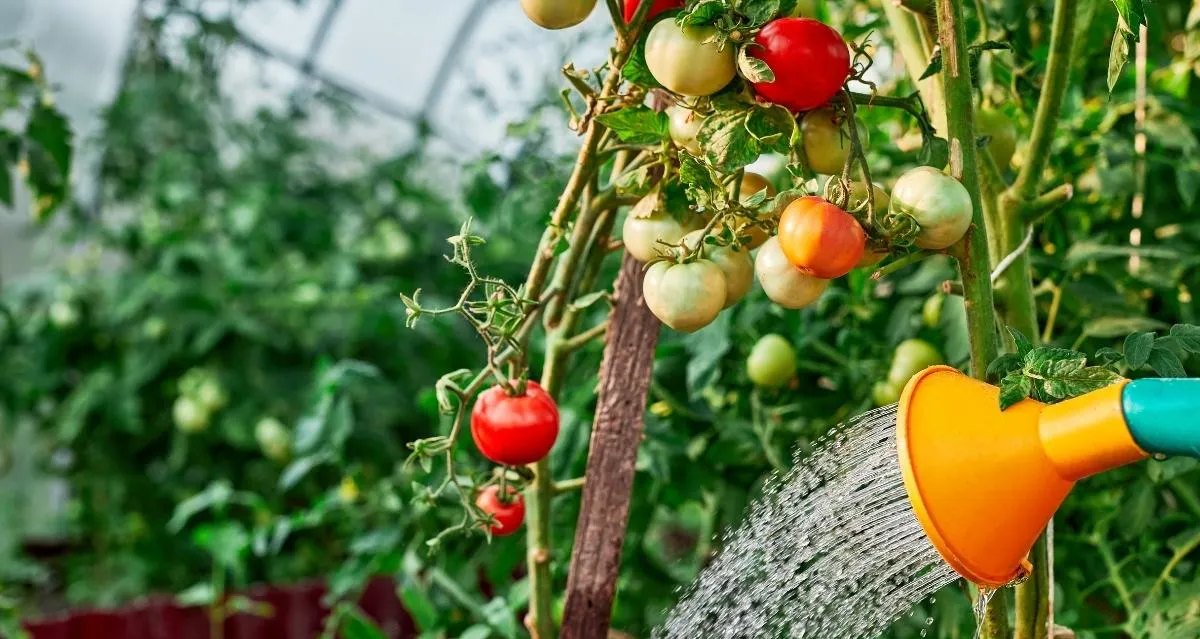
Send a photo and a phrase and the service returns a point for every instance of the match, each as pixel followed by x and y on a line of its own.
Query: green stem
pixel 907 37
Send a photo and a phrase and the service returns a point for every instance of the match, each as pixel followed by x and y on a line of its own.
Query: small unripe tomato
pixel 557 14
pixel 686 297
pixel 680 59
pixel 1003 134
pixel 884 393
pixel 931 312
pixel 772 361
pixel 820 238
pixel 509 514
pixel 658 6
pixel 684 125
pixel 211 394
pixel 514 429
pixel 810 61
pixel 348 490
pixel 911 357
pixel 190 415
pixel 735 265
pixel 939 203
pixel 785 284
pixel 648 230
pixel 753 183
pixel 63 314
pixel 826 141
pixel 273 439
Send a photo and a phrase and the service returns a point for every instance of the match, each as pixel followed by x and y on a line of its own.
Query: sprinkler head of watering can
pixel 984 483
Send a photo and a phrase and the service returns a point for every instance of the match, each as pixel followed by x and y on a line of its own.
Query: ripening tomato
pixel 939 203
pixel 772 361
pixel 557 14
pixel 685 297
pixel 753 183
pixel 1003 134
pixel 735 264
pixel 684 125
pixel 810 61
pixel 509 513
pixel 785 284
pixel 514 429
pixel 659 6
pixel 648 230
pixel 826 140
pixel 819 238
pixel 911 357
pixel 682 61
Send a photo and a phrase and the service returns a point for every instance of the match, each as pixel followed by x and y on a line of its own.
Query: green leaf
pixel 1014 388
pixel 1003 365
pixel 357 625
pixel 636 125
pixel 201 594
pixel 418 604
pixel 1108 356
pixel 216 495
pixel 586 301
pixel 1118 55
pixel 299 468
pixel 50 130
pixel 1137 349
pixel 500 618
pixel 1166 363
pixel 1188 337
pixel 935 152
pixel 226 542
pixel 727 143
pixel 1079 382
pixel 478 631
pixel 635 69
pixel 703 13
pixel 1110 327
pixel 1022 342
pixel 1048 362
pixel 759 12
pixel 1137 509
pixel 752 68
pixel 934 67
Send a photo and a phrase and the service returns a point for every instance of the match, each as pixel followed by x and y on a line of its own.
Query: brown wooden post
pixel 616 432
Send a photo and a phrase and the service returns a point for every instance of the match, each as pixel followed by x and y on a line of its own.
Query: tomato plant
pixel 514 427
pixel 820 238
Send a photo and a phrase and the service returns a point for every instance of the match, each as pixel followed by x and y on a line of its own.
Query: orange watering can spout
pixel 984 482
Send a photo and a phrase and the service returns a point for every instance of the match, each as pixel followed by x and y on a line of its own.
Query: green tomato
pixel 682 60
pixel 884 393
pixel 211 394
pixel 273 439
pixel 1003 134
pixel 63 314
pixel 686 297
pixel 189 414
pixel 735 264
pixel 939 203
pixel 557 14
pixel 772 361
pixel 911 357
pixel 931 313
pixel 827 141
pixel 684 125
pixel 785 284
pixel 648 230
pixel 154 327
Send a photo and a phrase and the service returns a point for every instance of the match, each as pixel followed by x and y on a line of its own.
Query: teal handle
pixel 1164 415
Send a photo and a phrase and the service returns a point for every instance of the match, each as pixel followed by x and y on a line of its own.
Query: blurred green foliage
pixel 241 252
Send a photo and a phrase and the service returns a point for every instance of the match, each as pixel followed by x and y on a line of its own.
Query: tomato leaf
pixel 703 13
pixel 1003 365
pixel 728 145
pixel 1014 388
pixel 759 12
pixel 935 65
pixel 1079 382
pixel 1048 362
pixel 1137 349
pixel 1165 362
pixel 635 69
pixel 636 125
pixel 1022 342
pixel 1118 55
pixel 1109 327
pixel 752 68
pixel 1188 337
pixel 1108 356
pixel 935 152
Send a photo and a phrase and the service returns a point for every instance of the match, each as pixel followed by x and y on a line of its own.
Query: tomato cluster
pixel 512 427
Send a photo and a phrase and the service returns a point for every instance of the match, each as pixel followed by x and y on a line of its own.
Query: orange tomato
pixel 819 238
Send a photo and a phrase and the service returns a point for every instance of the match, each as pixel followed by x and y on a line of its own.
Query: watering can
pixel 984 483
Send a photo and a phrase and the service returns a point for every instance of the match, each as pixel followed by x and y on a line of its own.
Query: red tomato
pixel 810 60
pixel 819 238
pixel 514 430
pixel 509 516
pixel 631 7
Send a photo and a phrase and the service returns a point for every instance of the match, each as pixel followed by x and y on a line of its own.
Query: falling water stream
pixel 831 549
